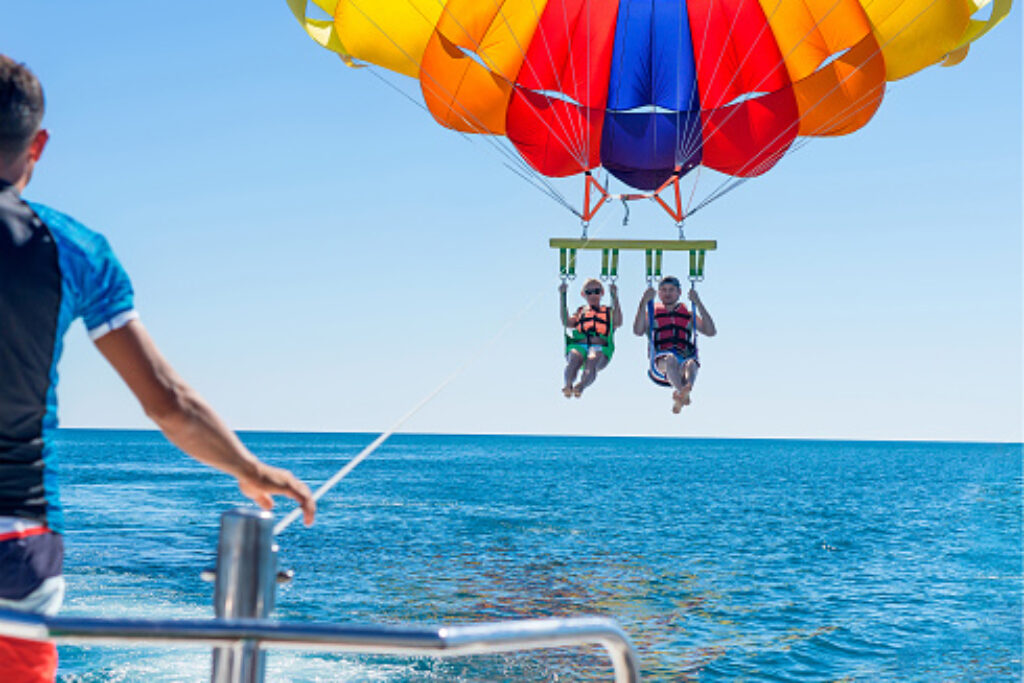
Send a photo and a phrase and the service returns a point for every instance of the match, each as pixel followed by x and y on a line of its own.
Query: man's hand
pixel 190 423
pixel 613 289
pixel 648 295
pixel 694 297
pixel 272 481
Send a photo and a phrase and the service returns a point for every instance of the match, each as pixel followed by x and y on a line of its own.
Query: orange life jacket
pixel 672 329
pixel 591 321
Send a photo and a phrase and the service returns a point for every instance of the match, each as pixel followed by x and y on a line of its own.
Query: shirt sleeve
pixel 107 300
pixel 96 287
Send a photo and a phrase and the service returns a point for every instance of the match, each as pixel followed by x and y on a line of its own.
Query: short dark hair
pixel 21 106
pixel 670 280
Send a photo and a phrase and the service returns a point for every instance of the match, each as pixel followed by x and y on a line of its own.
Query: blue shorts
pixel 31 561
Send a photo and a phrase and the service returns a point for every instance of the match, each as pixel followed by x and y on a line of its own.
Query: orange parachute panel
pixel 472 60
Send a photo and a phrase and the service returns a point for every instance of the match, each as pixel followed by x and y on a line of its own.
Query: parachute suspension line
pixel 577 135
pixel 564 140
pixel 573 137
pixel 781 62
pixel 590 36
pixel 581 132
pixel 687 144
pixel 510 155
pixel 695 133
pixel 556 196
pixel 543 186
pixel 435 87
pixel 693 191
pixel 731 183
pixel 575 140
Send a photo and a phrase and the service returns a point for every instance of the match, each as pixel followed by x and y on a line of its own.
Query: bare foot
pixel 684 395
pixel 577 391
pixel 567 391
pixel 677 402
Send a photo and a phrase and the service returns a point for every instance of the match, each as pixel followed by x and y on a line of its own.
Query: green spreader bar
pixel 635 245
pixel 653 250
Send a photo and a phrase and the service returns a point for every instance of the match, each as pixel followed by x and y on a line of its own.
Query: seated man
pixel 589 335
pixel 670 327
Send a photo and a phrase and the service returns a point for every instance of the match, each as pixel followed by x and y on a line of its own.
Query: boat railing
pixel 244 592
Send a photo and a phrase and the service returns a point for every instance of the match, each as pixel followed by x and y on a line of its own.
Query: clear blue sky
pixel 314 253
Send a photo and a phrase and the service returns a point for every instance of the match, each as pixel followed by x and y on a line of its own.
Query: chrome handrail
pixel 440 641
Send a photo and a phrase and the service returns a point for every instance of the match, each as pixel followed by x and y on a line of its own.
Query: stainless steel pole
pixel 244 588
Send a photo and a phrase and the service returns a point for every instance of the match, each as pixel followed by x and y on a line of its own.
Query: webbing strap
pixel 697 265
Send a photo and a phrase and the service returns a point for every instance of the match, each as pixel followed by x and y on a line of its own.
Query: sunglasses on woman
pixel 588 292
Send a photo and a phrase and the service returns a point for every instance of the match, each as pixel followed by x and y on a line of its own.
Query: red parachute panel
pixel 748 110
pixel 556 113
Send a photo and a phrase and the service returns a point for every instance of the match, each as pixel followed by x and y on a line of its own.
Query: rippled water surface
pixel 723 559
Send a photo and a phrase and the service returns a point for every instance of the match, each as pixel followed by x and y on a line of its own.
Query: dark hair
pixel 21 106
pixel 670 280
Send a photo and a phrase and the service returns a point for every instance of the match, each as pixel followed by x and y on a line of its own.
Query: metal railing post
pixel 244 588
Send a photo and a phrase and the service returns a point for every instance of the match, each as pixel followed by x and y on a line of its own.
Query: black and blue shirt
pixel 52 271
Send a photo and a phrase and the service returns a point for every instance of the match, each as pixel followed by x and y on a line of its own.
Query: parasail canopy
pixel 650 89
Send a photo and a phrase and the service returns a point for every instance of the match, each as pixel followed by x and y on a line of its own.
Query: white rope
pixel 363 454
pixel 351 465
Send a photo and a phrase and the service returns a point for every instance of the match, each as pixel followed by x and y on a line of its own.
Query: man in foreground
pixel 52 271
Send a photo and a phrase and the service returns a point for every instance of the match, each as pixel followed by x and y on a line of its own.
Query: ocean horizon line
pixel 803 439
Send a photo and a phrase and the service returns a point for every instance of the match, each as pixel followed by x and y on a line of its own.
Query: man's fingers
pixel 277 482
pixel 263 500
pixel 301 494
pixel 308 511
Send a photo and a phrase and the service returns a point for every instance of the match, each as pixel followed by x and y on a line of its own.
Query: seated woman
pixel 672 332
pixel 589 340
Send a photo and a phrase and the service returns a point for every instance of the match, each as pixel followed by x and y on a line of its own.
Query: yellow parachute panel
pixel 389 33
pixel 914 34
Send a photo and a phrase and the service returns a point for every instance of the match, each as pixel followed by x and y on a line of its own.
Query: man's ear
pixel 38 144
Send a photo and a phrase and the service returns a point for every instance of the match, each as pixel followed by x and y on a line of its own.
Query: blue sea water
pixel 724 560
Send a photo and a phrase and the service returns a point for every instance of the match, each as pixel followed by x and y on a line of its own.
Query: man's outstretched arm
pixel 190 423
